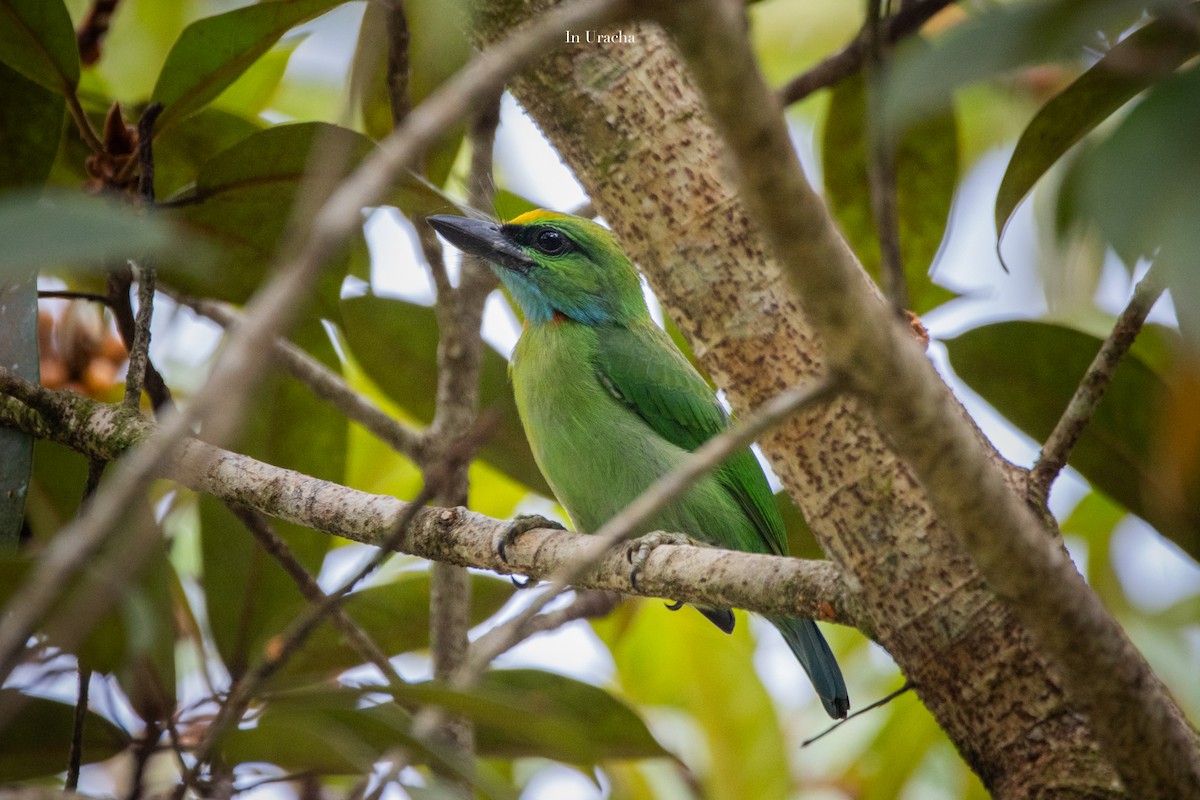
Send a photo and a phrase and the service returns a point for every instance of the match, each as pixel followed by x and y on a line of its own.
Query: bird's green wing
pixel 644 370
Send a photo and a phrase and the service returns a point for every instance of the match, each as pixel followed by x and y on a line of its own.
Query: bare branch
pixel 70 294
pixel 243 691
pixel 398 62
pixel 588 604
pixel 701 575
pixel 93 29
pixel 850 59
pixel 354 636
pixel 1092 387
pixel 75 757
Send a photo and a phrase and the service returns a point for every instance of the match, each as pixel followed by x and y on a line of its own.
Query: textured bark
pixel 628 122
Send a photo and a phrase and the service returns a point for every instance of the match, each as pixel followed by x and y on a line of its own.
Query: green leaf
pixel 509 205
pixel 1157 49
pixel 37 741
pixel 213 52
pixel 38 41
pixel 926 174
pixel 147 617
pixel 396 617
pixel 135 639
pixel 31 125
pixel 437 49
pixel 326 731
pixel 1140 187
pixel 244 198
pixel 1002 38
pixel 53 230
pixel 253 91
pixel 180 152
pixel 59 474
pixel 1093 519
pixel 601 726
pixel 528 712
pixel 395 342
pixel 249 597
pixel 652 649
pixel 1028 372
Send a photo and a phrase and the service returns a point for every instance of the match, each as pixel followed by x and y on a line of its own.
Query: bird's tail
pixel 813 653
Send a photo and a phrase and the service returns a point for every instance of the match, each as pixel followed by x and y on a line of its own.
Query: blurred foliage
pixel 926 174
pixel 1102 105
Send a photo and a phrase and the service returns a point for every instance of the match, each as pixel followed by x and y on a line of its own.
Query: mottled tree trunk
pixel 629 123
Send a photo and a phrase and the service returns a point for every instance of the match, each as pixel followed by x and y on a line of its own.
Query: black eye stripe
pixel 542 238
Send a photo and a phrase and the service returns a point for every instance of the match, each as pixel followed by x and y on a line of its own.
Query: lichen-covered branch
pixel 762 583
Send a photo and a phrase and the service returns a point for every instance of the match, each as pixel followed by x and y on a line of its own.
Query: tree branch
pixel 850 59
pixel 277 548
pixel 880 146
pixel 1092 387
pixel 460 354
pixel 769 585
pixel 1142 732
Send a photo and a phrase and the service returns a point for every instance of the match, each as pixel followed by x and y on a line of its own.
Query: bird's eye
pixel 551 242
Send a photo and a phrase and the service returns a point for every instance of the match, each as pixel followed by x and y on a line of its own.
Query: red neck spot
pixel 558 317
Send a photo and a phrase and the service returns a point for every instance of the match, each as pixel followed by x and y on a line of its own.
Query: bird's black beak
pixel 483 239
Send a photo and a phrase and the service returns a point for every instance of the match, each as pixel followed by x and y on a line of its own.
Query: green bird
pixel 609 404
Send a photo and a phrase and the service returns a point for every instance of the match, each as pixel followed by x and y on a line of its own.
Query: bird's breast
pixel 595 452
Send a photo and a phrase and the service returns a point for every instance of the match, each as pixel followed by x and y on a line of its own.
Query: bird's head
pixel 554 264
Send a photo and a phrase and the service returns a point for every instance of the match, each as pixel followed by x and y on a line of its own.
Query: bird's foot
pixel 638 550
pixel 519 525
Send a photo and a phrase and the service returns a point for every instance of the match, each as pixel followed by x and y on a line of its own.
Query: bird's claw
pixel 638 550
pixel 521 583
pixel 519 525
pixel 678 604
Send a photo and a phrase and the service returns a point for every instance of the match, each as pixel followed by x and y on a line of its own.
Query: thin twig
pixel 398 62
pixel 1092 387
pixel 705 459
pixel 139 348
pixel 460 354
pixel 70 294
pixel 93 29
pixel 354 635
pixel 143 750
pixel 82 123
pixel 849 60
pixel 588 604
pixel 238 368
pixel 145 129
pixel 880 145
pixel 120 281
pixel 243 691
pixel 324 382
pixel 871 707
pixel 75 758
